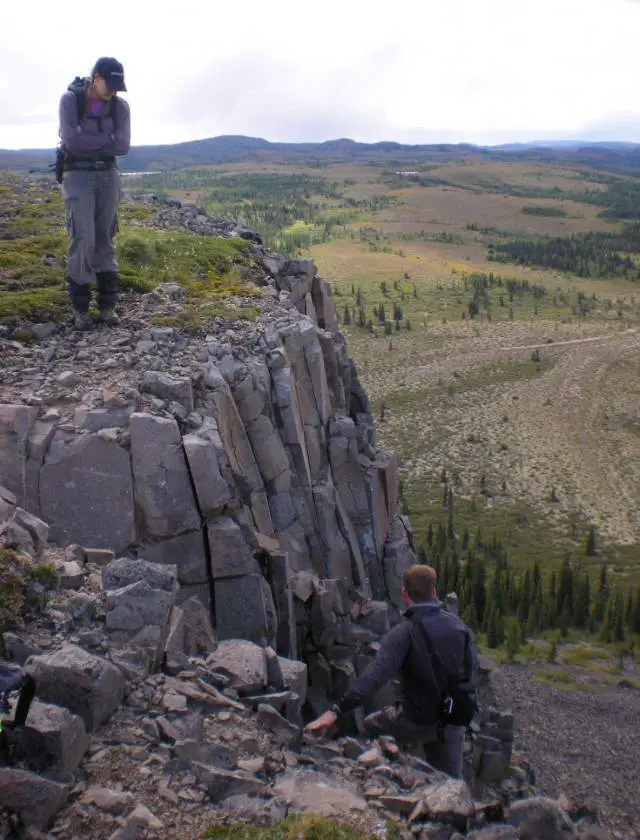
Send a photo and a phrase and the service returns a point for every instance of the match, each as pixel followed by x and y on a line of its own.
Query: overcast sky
pixel 415 71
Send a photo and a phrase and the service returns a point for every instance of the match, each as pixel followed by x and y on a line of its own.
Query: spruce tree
pixel 512 645
pixel 635 615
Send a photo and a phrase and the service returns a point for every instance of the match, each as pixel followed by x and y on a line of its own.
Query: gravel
pixel 582 742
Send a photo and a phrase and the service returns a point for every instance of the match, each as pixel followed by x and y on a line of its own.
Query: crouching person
pixel 94 130
pixel 433 652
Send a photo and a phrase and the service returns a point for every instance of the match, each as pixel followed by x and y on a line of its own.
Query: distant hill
pixel 613 157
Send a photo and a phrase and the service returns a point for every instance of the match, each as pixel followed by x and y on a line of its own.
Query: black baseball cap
pixel 112 72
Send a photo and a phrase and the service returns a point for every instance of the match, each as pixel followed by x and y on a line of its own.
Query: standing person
pixel 433 651
pixel 95 128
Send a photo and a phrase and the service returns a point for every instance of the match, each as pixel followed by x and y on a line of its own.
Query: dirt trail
pixel 605 337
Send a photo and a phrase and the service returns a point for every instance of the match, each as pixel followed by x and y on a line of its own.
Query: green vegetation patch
pixel 297 827
pixel 543 210
pixel 203 264
pixel 561 680
pixel 32 281
pixel 23 586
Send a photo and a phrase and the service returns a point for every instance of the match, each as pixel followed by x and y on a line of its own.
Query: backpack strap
pixel 443 678
pixel 81 106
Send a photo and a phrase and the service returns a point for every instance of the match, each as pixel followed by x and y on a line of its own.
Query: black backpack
pixel 79 86
pixel 457 702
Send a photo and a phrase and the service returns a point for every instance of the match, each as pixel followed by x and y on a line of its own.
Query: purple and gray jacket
pixel 88 138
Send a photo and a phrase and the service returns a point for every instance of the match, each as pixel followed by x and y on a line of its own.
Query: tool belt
pixel 90 165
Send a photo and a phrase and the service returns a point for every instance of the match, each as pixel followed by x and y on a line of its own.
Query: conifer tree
pixel 512 645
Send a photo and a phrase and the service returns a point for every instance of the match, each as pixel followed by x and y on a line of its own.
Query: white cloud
pixel 461 71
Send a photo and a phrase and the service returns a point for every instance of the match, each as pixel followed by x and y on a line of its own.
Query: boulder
pixel 540 818
pixel 244 662
pixel 53 739
pixel 139 614
pixel 36 798
pixel 448 801
pixel 87 685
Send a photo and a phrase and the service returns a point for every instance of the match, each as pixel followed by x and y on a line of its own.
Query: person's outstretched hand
pixel 322 724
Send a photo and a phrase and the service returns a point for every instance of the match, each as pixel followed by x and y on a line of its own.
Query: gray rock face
pixel 86 492
pixel 398 556
pixel 36 798
pixel 237 446
pixel 53 739
pixel 15 424
pixel 163 495
pixel 86 685
pixel 245 609
pixel 185 552
pixel 231 555
pixel 124 571
pixel 244 662
pixel 540 818
pixel 212 489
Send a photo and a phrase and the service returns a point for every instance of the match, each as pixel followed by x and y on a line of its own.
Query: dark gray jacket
pixel 403 652
pixel 88 138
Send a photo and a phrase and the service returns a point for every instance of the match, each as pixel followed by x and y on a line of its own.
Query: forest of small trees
pixel 495 599
pixel 270 203
pixel 585 254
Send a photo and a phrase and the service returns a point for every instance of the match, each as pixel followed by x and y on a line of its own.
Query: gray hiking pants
pixel 446 754
pixel 91 200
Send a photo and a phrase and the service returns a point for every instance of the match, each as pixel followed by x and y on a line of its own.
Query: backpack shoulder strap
pixel 438 668
pixel 113 112
pixel 81 101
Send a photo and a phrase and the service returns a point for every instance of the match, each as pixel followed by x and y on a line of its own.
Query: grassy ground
pixel 32 258
pixel 296 828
